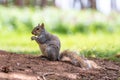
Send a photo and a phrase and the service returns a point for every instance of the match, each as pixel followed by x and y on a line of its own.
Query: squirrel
pixel 50 45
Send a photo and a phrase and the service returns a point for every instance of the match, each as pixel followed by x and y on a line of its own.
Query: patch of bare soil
pixel 27 67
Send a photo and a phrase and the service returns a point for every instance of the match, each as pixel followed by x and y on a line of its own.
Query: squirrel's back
pixel 53 40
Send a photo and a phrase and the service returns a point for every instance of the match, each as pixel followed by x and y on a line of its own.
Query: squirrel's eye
pixel 37 28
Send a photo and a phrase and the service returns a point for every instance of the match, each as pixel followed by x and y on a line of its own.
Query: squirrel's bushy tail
pixel 76 60
pixel 65 55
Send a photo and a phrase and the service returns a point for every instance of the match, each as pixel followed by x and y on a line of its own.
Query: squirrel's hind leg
pixel 52 53
pixel 43 57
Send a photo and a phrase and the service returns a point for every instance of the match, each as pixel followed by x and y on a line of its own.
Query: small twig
pixel 39 78
pixel 43 77
pixel 64 74
pixel 110 68
pixel 46 74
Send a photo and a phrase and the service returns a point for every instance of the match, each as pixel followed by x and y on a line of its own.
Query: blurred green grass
pixel 92 45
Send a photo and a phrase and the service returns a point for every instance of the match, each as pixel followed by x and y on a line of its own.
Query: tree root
pixel 18 76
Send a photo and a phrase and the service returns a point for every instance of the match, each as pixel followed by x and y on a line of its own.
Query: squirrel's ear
pixel 42 25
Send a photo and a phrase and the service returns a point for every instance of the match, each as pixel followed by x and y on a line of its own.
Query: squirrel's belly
pixel 42 48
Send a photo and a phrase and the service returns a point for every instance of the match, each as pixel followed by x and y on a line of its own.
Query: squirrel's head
pixel 38 29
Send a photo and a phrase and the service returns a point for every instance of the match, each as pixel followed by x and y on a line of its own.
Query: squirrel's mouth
pixel 34 33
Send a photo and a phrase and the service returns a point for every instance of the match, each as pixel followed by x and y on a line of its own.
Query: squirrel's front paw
pixel 33 37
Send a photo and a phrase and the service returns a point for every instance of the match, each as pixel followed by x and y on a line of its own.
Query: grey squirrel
pixel 50 47
pixel 49 44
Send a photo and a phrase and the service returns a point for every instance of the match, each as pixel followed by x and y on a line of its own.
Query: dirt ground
pixel 28 67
